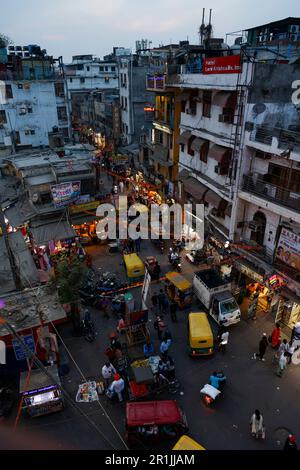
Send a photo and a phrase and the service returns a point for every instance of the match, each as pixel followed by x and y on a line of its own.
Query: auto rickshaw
pixel 134 267
pixel 179 289
pixel 187 443
pixel 153 421
pixel 200 335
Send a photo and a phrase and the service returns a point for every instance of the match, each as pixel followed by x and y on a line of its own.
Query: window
pixel 29 110
pixel 88 68
pixel 204 152
pixel 207 103
pixel 3 119
pixel 64 131
pixel 62 113
pixel 125 103
pixel 228 114
pixel 192 106
pixel 59 88
pixel 71 80
pixel 183 104
pixel 190 150
pixel 101 68
pixel 126 129
pixel 106 68
pixel 182 146
pixel 17 137
pixel 79 66
pixel 32 132
pixel 8 92
pixel 82 80
pixel 113 69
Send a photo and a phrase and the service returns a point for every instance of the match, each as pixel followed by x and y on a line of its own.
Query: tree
pixel 4 41
pixel 67 279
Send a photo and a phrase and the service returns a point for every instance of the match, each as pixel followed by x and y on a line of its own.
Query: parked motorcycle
pixel 88 328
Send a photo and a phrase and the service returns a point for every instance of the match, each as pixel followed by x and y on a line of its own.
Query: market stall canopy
pixel 215 200
pixel 184 137
pixel 198 143
pixel 220 154
pixel 27 269
pixel 7 283
pixel 20 213
pixel 225 99
pixel 59 230
pixel 194 188
pixel 38 379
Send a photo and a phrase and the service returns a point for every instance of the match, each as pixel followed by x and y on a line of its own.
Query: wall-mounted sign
pixel 228 64
pixel 288 248
pixel 65 193
pixel 19 351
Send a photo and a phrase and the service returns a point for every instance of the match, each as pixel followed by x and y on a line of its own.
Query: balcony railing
pixel 155 82
pixel 256 184
pixel 286 138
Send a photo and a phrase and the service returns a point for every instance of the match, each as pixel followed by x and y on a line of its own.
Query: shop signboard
pixel 87 206
pixel 249 272
pixel 65 193
pixel 288 248
pixel 19 351
pixel 227 64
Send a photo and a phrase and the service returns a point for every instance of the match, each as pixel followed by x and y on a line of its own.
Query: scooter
pixel 210 394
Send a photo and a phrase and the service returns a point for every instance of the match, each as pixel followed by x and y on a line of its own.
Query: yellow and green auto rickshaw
pixel 179 289
pixel 200 336
pixel 135 268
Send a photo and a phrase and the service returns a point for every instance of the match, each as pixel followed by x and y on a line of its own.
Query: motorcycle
pixel 210 393
pixel 175 260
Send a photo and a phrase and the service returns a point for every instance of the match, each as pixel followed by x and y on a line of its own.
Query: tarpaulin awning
pixel 220 154
pixel 19 214
pixel 225 99
pixel 184 137
pixel 183 175
pixel 215 200
pixel 79 219
pixel 194 188
pixel 54 231
pixel 197 144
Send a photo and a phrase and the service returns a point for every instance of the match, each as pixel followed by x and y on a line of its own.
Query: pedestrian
pixel 121 186
pixel 223 341
pixel 282 348
pixel 131 245
pixel 262 347
pixel 290 351
pixel 170 369
pixel 117 386
pixel 148 349
pixel 164 347
pixel 290 443
pixel 173 311
pixel 156 271
pixel 160 326
pixel 127 183
pixel 282 364
pixel 257 425
pixel 138 244
pixel 296 335
pixel 154 301
pixel 108 372
pixel 221 330
pixel 114 342
pixel 162 301
pixel 276 336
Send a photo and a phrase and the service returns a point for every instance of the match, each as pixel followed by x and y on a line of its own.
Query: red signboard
pixel 228 64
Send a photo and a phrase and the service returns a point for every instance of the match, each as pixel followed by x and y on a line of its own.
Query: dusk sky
pixel 67 27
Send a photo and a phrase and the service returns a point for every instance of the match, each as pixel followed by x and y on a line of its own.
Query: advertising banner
pixel 228 64
pixel 65 193
pixel 288 249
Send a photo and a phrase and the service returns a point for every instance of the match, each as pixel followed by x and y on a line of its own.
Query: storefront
pixel 251 283
pixel 41 395
pixel 285 310
pixel 84 221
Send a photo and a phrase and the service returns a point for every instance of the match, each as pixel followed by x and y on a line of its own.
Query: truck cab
pixel 215 295
pixel 225 309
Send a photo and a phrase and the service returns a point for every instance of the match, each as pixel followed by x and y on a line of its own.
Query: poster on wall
pixel 65 193
pixel 288 249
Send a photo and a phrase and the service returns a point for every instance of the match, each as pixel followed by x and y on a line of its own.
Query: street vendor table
pixel 143 375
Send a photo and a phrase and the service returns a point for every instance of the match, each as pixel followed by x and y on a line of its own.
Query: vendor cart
pixel 41 395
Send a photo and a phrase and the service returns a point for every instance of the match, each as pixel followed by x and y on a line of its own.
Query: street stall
pixel 136 327
pixel 285 309
pixel 143 382
pixel 41 395
pixel 179 289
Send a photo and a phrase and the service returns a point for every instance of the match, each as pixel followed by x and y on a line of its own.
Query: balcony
pixel 256 184
pixel 277 139
pixel 155 82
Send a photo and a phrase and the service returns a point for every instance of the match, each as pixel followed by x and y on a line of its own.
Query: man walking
pixel 282 364
pixel 162 301
pixel 263 344
pixel 108 371
pixel 154 300
pixel 173 311
pixel 156 272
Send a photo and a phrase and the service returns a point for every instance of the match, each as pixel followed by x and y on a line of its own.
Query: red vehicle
pixel 152 421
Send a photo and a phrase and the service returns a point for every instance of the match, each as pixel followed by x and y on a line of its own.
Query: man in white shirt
pixel 118 386
pixel 108 371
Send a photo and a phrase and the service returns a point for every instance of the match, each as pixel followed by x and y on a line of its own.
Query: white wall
pixel 43 101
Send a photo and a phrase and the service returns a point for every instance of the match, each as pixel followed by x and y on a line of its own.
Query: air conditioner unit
pixel 22 111
pixel 294 28
pixel 218 169
pixel 293 37
pixel 254 226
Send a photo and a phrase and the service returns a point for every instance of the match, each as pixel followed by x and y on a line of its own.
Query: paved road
pixel 250 384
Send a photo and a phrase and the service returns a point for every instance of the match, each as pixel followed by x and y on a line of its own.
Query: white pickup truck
pixel 215 294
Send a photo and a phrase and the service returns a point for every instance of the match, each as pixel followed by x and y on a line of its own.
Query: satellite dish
pixel 259 108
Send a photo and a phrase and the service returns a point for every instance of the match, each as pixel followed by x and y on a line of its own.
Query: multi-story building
pixel 33 104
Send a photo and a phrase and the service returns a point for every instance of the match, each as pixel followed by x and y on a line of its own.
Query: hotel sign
pixel 227 64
